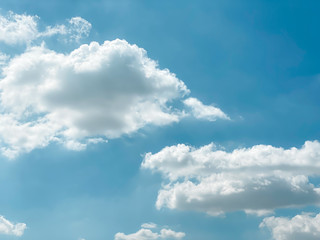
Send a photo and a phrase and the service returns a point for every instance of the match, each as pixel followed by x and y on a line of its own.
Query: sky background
pixel 255 60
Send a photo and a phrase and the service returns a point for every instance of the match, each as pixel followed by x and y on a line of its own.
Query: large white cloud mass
pixel 8 228
pixel 97 90
pixel 256 180
pixel 94 92
pixel 108 90
pixel 305 226
pixel 23 28
pixel 146 234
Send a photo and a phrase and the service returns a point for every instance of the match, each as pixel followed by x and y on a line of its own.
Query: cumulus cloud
pixel 93 93
pixel 256 180
pixel 201 111
pixel 147 234
pixel 8 228
pixel 83 97
pixel 23 28
pixel 305 226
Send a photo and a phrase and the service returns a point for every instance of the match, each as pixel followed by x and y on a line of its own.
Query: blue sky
pixel 97 139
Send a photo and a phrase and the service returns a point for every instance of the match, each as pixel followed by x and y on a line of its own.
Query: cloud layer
pixel 305 226
pixel 8 228
pixel 256 180
pixel 146 234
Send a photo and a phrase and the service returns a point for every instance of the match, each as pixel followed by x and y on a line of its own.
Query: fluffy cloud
pixel 95 92
pixel 16 137
pixel 8 228
pixel 20 29
pixel 256 180
pixel 305 226
pixel 201 111
pixel 147 234
pixel 17 29
pixel 107 90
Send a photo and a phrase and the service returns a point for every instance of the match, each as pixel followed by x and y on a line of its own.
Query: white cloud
pixel 93 93
pixel 201 111
pixel 149 225
pixel 256 180
pixel 79 28
pixel 147 234
pixel 305 226
pixel 8 228
pixel 76 29
pixel 23 29
pixel 17 29
pixel 56 30
pixel 96 140
pixel 16 137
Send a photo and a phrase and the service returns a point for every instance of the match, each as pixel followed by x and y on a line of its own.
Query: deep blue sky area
pixel 255 60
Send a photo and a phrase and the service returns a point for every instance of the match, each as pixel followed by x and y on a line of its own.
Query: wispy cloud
pixel 149 225
pixel 75 29
pixel 201 111
pixel 23 29
pixel 9 228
